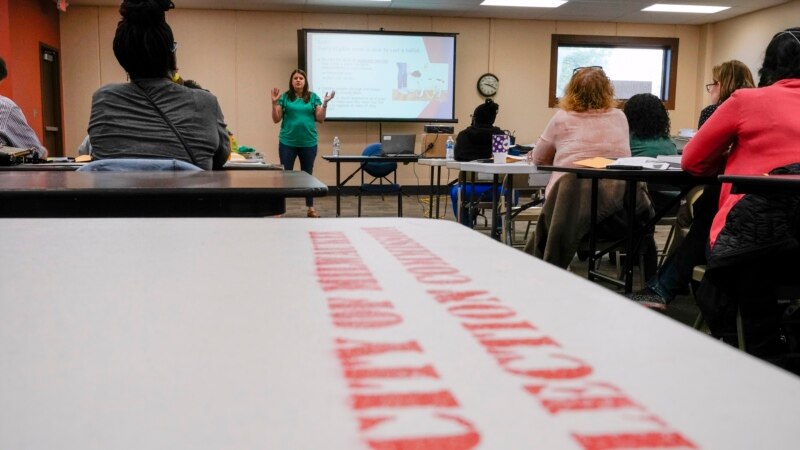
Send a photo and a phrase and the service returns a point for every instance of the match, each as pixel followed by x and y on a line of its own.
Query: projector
pixel 438 129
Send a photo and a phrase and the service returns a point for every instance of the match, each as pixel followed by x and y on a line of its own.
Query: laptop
pixel 398 144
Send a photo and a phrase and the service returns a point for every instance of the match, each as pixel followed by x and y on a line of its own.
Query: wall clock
pixel 487 84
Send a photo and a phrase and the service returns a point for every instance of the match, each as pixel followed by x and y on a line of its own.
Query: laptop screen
pixel 398 144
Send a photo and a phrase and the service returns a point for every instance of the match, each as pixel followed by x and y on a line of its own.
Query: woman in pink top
pixel 587 125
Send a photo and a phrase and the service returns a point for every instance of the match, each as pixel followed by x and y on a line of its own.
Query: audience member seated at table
pixel 754 238
pixel 726 79
pixel 151 116
pixel 676 272
pixel 475 142
pixel 648 123
pixel 587 125
pixel 14 129
pixel 85 147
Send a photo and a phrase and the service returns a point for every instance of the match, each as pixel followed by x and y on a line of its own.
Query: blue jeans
pixel 676 272
pixel 287 154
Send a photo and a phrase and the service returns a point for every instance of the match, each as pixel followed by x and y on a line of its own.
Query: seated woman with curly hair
pixel 648 122
pixel 587 125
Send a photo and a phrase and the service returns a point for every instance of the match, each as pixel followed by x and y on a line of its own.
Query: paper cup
pixel 500 157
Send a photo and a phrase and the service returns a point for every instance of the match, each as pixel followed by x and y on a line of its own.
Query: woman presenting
pixel 297 109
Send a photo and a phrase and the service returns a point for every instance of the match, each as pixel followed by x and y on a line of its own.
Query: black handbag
pixel 11 156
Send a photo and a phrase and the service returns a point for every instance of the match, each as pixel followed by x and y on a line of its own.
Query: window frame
pixel 670 45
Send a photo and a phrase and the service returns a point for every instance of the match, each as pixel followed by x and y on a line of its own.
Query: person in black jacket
pixel 475 141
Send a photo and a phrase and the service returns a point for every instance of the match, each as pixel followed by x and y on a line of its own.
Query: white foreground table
pixel 348 334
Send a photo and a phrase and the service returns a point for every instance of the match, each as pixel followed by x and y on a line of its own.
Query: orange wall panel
pixel 30 22
pixel 5 44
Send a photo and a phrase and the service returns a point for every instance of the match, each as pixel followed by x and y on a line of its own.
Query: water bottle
pixel 336 146
pixel 450 146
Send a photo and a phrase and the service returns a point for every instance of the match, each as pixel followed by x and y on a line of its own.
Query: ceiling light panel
pixel 694 9
pixel 524 3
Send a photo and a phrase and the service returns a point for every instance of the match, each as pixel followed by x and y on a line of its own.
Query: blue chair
pixel 138 165
pixel 380 183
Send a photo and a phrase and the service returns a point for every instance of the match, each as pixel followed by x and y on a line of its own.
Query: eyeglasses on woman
pixel 577 69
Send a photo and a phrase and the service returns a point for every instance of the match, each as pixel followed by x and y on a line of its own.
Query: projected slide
pixel 383 76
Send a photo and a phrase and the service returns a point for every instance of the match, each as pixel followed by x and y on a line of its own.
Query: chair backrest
pixel 377 169
pixel 138 165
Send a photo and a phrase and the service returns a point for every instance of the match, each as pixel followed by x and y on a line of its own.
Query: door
pixel 51 100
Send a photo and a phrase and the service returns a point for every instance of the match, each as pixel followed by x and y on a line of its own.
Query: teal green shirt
pixel 298 126
pixel 652 147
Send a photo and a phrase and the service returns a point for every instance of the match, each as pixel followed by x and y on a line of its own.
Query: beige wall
pixel 240 55
pixel 746 37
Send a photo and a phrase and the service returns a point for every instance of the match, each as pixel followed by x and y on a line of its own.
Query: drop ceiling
pixel 574 10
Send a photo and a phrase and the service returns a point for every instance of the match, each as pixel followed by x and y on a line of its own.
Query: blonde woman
pixel 727 78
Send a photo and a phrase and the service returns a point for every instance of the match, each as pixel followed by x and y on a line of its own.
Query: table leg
pixel 509 199
pixel 430 198
pixel 438 185
pixel 629 245
pixel 593 230
pixel 496 234
pixel 462 201
pixel 472 210
pixel 338 190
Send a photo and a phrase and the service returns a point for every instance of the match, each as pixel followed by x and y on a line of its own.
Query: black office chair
pixel 380 183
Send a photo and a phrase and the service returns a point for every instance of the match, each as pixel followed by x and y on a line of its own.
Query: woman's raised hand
pixel 276 94
pixel 329 97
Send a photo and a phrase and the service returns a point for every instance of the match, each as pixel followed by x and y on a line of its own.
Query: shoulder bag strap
pixel 169 122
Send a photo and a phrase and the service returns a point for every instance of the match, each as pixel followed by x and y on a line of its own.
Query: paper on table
pixel 642 162
pixel 596 163
pixel 675 159
pixel 514 159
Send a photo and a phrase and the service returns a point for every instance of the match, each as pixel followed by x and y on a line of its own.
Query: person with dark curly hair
pixel 676 272
pixel 151 116
pixel 648 122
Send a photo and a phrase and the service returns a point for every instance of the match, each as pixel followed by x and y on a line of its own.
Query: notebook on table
pixel 398 144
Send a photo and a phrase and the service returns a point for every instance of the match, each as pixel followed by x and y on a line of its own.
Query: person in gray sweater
pixel 151 116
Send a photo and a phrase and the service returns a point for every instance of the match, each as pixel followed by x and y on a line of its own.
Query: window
pixel 634 64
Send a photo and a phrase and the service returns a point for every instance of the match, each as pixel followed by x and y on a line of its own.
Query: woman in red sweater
pixel 762 130
pixel 761 126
